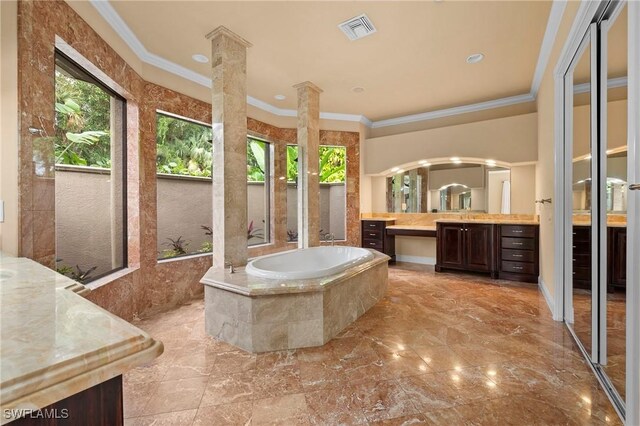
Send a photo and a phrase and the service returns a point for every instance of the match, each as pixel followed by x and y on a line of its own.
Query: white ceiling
pixel 414 63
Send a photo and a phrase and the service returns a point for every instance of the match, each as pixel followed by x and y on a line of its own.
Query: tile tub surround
pixel 54 343
pixel 437 349
pixel 260 315
pixel 148 286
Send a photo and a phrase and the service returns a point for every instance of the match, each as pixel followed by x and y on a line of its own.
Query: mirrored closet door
pixel 596 191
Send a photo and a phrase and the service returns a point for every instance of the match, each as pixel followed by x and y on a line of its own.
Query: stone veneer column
pixel 229 122
pixel 308 181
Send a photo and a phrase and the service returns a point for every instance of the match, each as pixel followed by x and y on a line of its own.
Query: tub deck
pixel 259 314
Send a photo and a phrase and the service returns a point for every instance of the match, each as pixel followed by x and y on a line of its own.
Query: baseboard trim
pixel 416 259
pixel 547 297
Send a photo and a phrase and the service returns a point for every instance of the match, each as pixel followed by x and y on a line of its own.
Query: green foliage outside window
pixel 83 114
pixel 333 163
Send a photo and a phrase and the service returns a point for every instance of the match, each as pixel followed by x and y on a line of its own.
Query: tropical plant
pixel 175 247
pixel 83 112
pixel 254 232
pixel 332 164
pixel 76 274
pixel 256 155
pixel 292 235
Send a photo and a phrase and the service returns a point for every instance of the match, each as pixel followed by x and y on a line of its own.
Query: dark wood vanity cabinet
pixel 374 236
pixel 505 251
pixel 616 257
pixel 518 256
pixel 465 246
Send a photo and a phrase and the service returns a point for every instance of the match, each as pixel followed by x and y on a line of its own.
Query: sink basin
pixel 6 274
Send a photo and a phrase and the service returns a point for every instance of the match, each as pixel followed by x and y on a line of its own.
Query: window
pixel 184 194
pixel 90 178
pixel 332 177
pixel 258 191
pixel 333 193
pixel 292 193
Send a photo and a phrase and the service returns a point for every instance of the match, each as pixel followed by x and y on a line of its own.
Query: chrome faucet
pixel 330 237
pixel 231 268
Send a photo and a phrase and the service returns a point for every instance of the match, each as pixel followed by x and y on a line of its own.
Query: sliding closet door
pixel 580 127
pixel 613 197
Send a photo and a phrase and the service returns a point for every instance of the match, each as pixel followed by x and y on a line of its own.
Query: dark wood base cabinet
pixel 465 247
pixel 374 235
pixel 616 258
pixel 100 405
pixel 503 251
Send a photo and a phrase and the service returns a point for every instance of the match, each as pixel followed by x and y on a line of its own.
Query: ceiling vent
pixel 357 27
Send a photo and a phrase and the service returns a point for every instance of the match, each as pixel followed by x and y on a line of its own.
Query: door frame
pixel 586 12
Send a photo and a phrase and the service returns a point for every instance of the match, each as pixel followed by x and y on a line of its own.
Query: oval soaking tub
pixel 314 262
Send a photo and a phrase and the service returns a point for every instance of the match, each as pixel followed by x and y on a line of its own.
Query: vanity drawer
pixel 372 225
pixel 518 267
pixel 581 260
pixel 374 244
pixel 518 255
pixel 581 234
pixel 518 243
pixel 373 234
pixel 518 231
pixel 582 274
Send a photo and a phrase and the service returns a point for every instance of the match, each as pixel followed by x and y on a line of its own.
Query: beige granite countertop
pixel 381 219
pixel 490 221
pixel 609 225
pixel 248 285
pixel 54 343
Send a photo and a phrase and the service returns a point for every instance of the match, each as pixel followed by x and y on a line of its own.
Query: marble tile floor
pixel 438 349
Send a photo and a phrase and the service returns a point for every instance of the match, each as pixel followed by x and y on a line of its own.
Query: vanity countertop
pixel 54 342
pixel 381 219
pixel 609 225
pixel 491 221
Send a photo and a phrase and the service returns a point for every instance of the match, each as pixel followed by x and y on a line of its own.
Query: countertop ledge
pixel 490 221
pixel 54 342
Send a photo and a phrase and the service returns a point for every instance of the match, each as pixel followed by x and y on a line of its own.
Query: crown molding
pixel 464 109
pixel 612 83
pixel 549 39
pixel 111 16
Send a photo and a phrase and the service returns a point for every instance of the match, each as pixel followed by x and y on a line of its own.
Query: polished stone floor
pixel 438 349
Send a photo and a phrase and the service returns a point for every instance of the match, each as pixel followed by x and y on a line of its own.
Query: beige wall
pixel 523 189
pixel 416 250
pixel 9 126
pixel 511 139
pixel 545 175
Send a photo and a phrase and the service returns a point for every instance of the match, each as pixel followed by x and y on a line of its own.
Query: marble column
pixel 308 164
pixel 229 125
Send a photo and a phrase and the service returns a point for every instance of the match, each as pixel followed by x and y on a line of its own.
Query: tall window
pixel 90 183
pixel 183 166
pixel 258 191
pixel 332 177
pixel 333 191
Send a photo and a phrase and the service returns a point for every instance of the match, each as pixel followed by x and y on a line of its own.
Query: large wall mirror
pixel 452 187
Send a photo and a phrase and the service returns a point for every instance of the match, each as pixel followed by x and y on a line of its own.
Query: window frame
pixel 268 187
pixel 64 61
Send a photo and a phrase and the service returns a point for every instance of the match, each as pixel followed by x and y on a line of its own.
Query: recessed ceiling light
pixel 395 169
pixel 400 171
pixel 200 58
pixel 280 97
pixel 491 163
pixel 422 162
pixel 455 160
pixel 357 89
pixel 475 58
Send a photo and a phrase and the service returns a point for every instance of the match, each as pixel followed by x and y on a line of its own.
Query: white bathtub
pixel 313 262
